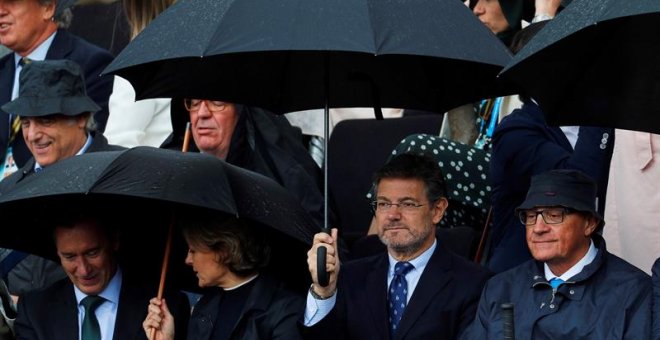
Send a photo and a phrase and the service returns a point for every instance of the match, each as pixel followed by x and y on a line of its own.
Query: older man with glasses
pixel 573 288
pixel 260 141
pixel 418 289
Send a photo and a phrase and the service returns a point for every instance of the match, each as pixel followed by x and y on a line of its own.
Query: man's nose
pixel 203 110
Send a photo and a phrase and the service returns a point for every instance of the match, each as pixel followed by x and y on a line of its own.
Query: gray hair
pixel 63 17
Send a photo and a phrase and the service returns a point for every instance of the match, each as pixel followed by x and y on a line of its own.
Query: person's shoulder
pixel 45 295
pixel 80 43
pixel 620 269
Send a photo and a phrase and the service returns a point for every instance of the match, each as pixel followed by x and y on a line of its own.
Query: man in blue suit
pixel 30 29
pixel 418 289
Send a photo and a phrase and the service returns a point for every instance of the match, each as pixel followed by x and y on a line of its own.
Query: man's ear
pixel 440 206
pixel 592 223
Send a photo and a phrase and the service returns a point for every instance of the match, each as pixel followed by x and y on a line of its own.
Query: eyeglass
pixel 550 215
pixel 382 206
pixel 211 105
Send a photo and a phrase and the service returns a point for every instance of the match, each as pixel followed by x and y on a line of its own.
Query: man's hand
pixel 331 262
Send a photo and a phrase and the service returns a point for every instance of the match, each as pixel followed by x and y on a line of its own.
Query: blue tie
pixel 398 294
pixel 556 282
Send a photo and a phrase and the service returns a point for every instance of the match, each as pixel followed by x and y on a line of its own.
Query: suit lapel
pixel 7 70
pixel 376 296
pixel 435 277
pixel 131 312
pixel 67 313
pixel 61 47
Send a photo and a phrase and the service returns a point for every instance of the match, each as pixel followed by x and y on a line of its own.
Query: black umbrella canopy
pixel 596 64
pixel 142 190
pixel 292 55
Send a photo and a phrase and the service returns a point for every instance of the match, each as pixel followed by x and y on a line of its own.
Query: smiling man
pixel 573 288
pixel 418 289
pixel 56 116
pixel 98 300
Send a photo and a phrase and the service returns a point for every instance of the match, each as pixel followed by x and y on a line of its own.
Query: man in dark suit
pixel 419 289
pixel 87 246
pixel 32 32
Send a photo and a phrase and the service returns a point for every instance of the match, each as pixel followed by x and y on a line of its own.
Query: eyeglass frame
pixel 211 105
pixel 401 205
pixel 522 215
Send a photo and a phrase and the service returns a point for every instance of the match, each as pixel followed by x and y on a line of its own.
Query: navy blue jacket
pixel 92 59
pixel 656 299
pixel 524 146
pixel 610 299
pixel 441 307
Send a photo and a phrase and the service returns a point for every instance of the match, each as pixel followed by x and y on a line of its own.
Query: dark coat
pixel 266 144
pixel 52 314
pixel 442 305
pixel 609 299
pixel 656 299
pixel 99 143
pixel 269 313
pixel 524 146
pixel 92 59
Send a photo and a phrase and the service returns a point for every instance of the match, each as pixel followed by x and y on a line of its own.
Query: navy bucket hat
pixel 51 87
pixel 567 188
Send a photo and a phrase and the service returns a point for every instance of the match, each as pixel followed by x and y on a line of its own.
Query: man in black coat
pixel 32 32
pixel 436 298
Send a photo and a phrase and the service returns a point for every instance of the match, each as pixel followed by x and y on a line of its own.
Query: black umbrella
pixel 596 64
pixel 292 55
pixel 146 187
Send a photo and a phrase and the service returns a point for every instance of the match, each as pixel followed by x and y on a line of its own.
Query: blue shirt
pixel 106 313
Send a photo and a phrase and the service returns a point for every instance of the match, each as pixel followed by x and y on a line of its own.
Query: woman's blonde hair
pixel 141 12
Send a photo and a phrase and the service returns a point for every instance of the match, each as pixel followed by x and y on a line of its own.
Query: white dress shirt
pixel 106 313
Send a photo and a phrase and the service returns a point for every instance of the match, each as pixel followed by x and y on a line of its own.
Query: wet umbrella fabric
pixel 292 55
pixel 596 64
pixel 142 189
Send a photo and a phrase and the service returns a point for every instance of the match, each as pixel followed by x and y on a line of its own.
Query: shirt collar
pixel 40 52
pixel 419 262
pixel 110 293
pixel 577 268
pixel 88 142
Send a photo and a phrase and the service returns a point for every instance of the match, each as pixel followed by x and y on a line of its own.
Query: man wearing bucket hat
pixel 573 288
pixel 56 116
pixel 35 30
pixel 57 122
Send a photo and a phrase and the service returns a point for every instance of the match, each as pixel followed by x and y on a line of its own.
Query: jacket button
pixel 572 292
pixel 552 306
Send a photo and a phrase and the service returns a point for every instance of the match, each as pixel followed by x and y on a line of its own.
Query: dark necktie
pixel 398 294
pixel 90 325
pixel 556 282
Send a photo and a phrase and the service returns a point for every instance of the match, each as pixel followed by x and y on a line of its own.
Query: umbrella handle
pixel 321 254
pixel 508 332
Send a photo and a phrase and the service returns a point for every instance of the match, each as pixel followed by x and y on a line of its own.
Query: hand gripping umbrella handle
pixel 508 332
pixel 321 273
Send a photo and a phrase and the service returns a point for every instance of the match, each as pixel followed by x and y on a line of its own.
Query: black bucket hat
pixel 567 188
pixel 51 87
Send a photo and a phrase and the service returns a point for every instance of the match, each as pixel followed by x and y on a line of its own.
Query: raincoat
pixel 609 299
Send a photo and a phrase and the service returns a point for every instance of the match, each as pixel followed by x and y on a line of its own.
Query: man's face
pixel 87 256
pixel 407 231
pixel 54 137
pixel 561 245
pixel 24 24
pixel 490 13
pixel 213 127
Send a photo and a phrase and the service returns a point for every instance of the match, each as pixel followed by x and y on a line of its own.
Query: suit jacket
pixel 99 143
pixel 52 313
pixel 92 59
pixel 442 305
pixel 269 313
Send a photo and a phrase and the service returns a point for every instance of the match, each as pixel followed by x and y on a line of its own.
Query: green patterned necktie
pixel 90 325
